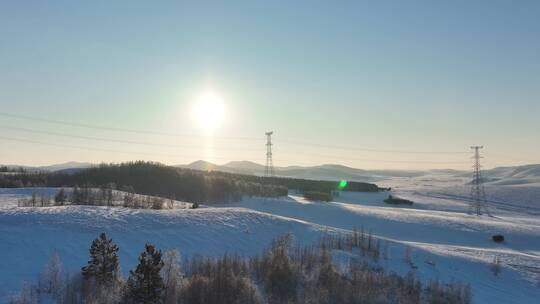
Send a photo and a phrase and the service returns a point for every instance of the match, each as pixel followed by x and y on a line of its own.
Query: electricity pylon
pixel 269 168
pixel 478 194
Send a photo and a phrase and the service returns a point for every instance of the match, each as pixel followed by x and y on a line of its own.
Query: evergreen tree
pixel 145 284
pixel 103 264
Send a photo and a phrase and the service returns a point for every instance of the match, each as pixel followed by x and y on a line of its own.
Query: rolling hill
pixel 321 172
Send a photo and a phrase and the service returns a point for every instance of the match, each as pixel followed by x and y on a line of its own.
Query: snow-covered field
pixel 447 243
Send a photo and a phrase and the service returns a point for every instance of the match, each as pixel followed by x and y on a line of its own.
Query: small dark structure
pixel 317 196
pixel 498 238
pixel 397 201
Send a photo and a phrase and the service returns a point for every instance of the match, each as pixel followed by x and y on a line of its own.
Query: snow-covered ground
pixel 30 235
pixel 447 243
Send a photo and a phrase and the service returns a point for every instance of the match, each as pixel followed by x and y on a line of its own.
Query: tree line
pixel 181 184
pixel 9 169
pixel 102 196
pixel 282 274
pixel 303 185
pixel 153 179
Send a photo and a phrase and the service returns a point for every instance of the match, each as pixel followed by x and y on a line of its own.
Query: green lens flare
pixel 342 184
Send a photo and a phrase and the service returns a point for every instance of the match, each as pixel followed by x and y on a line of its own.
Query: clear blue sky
pixel 433 76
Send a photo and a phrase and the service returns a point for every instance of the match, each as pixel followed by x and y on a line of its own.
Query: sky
pixel 368 84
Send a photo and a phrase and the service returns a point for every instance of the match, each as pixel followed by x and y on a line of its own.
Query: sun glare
pixel 209 111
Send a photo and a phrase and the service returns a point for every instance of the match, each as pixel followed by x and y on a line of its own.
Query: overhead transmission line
pixel 351 148
pixel 183 146
pixel 108 128
pixel 30 141
pixel 111 150
pixel 193 156
pixel 198 147
pixel 288 141
pixel 98 149
pixel 122 141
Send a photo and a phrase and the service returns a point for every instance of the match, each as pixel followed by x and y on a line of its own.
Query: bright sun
pixel 209 111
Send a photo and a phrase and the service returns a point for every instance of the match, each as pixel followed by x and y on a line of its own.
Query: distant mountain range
pixel 63 167
pixel 513 175
pixel 322 172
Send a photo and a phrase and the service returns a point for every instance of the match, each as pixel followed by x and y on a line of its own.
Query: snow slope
pixel 447 243
pixel 29 236
pixel 456 235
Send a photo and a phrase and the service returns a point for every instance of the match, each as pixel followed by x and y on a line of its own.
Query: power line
pixel 370 149
pixel 111 140
pixel 184 146
pixel 80 147
pixel 286 141
pixel 110 150
pixel 171 134
pixel 29 141
pixel 381 160
pixel 153 144
pixel 199 147
pixel 175 155
pixel 514 158
pixel 115 129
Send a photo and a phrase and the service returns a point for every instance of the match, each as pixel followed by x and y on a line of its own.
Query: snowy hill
pixel 520 175
pixel 66 166
pixel 244 167
pixel 69 166
pixel 322 172
pixel 526 171
pixel 201 165
pixel 447 243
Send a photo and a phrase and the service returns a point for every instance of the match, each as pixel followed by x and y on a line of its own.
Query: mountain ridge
pixel 513 174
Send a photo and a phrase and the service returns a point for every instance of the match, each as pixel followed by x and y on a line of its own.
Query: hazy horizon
pixel 74 162
pixel 378 85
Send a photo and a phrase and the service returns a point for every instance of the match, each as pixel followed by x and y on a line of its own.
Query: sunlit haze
pixel 209 111
pixel 270 152
pixel 367 85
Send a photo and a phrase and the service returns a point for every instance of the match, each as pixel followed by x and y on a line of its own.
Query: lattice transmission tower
pixel 269 168
pixel 478 194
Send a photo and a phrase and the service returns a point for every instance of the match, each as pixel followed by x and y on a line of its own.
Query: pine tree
pixel 103 264
pixel 145 284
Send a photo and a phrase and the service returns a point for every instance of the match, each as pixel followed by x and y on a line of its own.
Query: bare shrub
pixel 172 276
pixel 29 294
pixel 496 266
pixel 52 278
pixel 367 244
pixel 284 273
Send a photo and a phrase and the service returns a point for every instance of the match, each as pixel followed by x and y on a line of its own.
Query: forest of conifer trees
pixel 282 274
pixel 181 184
